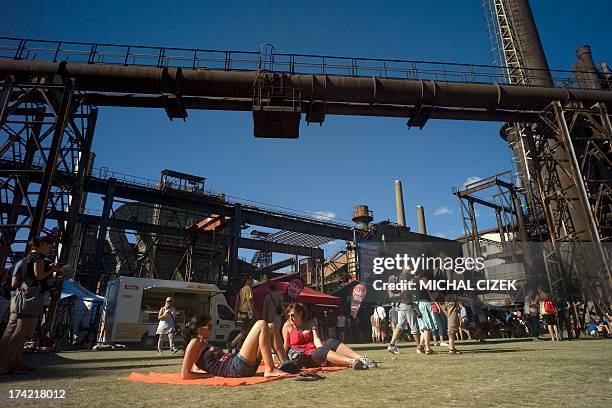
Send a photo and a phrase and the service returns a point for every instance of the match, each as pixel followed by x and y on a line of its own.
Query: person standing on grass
pixel 531 313
pixel 37 276
pixel 341 327
pixel 331 324
pixel 427 322
pixel 450 308
pixel 243 313
pixel 316 322
pixel 374 328
pixel 563 318
pixel 438 335
pixel 464 322
pixel 480 322
pixel 394 297
pixel 274 306
pixel 406 313
pixel 166 326
pixel 548 311
pixel 381 318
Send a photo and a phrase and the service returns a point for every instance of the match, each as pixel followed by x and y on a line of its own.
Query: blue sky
pixel 348 160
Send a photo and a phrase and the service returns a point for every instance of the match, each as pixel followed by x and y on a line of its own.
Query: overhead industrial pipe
pixel 356 92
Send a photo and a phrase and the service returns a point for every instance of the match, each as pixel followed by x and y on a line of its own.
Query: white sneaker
pixel 436 343
pixel 443 344
pixel 368 362
pixel 392 349
pixel 358 365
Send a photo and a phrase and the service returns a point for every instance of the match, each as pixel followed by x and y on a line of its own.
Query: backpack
pixel 7 286
pixel 549 307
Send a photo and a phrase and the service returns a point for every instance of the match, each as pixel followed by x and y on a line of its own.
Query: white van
pixel 131 306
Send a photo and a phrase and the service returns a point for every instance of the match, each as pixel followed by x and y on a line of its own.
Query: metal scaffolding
pixel 563 158
pixel 46 132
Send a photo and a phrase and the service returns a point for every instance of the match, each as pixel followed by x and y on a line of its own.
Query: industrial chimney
pixel 399 204
pixel 587 73
pixel 530 43
pixel 421 218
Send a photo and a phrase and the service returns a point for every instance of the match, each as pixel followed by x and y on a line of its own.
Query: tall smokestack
pixel 589 77
pixel 399 204
pixel 530 43
pixel 421 218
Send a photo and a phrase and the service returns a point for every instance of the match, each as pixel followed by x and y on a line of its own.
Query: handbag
pixel 28 302
pixel 295 355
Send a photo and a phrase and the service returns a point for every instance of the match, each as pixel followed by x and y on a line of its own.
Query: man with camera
pixel 30 278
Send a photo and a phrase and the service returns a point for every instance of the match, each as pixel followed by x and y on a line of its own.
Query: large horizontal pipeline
pixel 325 88
pixel 329 108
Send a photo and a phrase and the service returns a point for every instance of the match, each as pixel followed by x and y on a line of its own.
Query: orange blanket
pixel 175 378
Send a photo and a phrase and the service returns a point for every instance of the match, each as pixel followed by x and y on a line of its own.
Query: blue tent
pixel 79 308
pixel 72 288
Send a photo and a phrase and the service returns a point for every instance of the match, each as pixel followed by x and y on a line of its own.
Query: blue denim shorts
pixel 239 367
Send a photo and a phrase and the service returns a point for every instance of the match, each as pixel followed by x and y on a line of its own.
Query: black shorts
pixel 550 320
pixel 319 356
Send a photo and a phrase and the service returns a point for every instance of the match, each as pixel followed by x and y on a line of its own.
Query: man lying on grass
pixel 210 361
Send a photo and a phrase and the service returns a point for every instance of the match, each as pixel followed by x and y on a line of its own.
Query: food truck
pixel 132 304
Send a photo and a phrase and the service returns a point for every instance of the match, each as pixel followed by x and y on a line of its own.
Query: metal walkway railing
pixel 191 58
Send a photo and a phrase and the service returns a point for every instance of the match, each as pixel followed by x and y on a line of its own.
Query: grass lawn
pixel 498 373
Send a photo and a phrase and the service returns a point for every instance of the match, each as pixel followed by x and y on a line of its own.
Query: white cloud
pixel 471 180
pixel 324 215
pixel 443 211
pixel 440 234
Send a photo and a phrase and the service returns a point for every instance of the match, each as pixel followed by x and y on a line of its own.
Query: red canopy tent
pixel 308 296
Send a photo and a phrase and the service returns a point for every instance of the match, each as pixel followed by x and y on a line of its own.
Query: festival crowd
pixel 288 336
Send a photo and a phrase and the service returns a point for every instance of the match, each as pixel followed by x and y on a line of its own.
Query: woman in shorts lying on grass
pixel 210 361
pixel 305 346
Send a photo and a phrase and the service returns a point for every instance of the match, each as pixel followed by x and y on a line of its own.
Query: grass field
pixel 497 373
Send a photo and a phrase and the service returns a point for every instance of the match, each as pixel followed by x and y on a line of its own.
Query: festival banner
pixel 294 289
pixel 359 293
